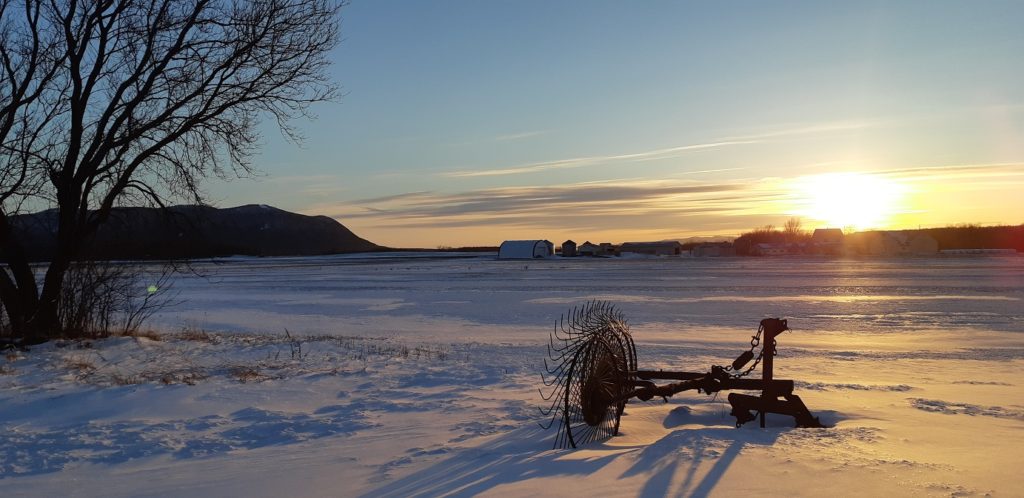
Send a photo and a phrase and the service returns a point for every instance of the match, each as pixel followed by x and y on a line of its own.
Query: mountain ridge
pixel 197 231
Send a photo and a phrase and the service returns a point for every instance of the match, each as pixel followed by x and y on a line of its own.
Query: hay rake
pixel 593 374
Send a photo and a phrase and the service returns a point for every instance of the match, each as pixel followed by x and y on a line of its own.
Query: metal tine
pixel 572 346
pixel 566 352
pixel 567 344
pixel 555 371
pixel 551 409
pixel 551 371
pixel 561 355
pixel 555 381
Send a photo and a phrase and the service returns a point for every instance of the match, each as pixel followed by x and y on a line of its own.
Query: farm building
pixel 827 241
pixel 526 249
pixel 588 249
pixel 714 250
pixel 568 249
pixel 669 248
pixel 766 249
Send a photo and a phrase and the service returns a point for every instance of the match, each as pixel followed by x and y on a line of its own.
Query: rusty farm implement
pixel 593 374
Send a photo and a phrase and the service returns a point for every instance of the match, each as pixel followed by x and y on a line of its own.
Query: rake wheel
pixel 594 360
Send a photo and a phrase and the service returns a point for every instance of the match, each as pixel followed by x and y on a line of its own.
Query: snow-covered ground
pixel 414 374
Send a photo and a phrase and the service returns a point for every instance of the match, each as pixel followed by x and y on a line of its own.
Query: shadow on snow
pixel 521 455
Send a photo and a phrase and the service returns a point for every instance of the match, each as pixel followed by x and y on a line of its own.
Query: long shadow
pixel 34 452
pixel 705 440
pixel 516 456
pixel 524 454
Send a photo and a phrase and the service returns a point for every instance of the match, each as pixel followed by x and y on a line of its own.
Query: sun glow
pixel 850 200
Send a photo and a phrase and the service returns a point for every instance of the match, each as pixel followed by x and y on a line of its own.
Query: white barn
pixel 526 249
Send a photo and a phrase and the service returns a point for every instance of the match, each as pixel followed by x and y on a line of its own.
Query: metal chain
pixel 755 340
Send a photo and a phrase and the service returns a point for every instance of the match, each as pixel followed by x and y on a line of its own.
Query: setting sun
pixel 855 200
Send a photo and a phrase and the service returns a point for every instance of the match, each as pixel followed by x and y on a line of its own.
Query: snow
pixel 417 375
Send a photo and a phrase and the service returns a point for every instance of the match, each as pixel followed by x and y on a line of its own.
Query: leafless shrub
pixel 102 298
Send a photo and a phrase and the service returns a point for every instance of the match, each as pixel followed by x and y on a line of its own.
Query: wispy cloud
pixel 959 172
pixel 624 203
pixel 519 136
pixel 662 153
pixel 812 129
pixel 578 162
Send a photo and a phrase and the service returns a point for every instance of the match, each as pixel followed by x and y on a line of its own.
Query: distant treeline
pixel 791 234
pixel 978 237
pixel 952 237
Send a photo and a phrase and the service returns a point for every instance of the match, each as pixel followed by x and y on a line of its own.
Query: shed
pixel 568 248
pixel 827 241
pixel 768 249
pixel 714 250
pixel 664 248
pixel 526 249
pixel 588 249
pixel 827 236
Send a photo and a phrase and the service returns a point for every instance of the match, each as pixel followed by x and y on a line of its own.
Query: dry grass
pixel 188 377
pixel 79 365
pixel 126 380
pixel 245 373
pixel 196 334
pixel 241 357
pixel 146 334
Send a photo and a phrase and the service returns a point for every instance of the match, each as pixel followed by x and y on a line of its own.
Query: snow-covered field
pixel 417 375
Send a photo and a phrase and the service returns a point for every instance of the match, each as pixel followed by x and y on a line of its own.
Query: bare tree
pixel 794 227
pixel 110 102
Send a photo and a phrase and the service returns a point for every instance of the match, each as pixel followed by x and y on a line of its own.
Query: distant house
pixel 526 249
pixel 714 250
pixel 766 249
pixel 827 241
pixel 608 249
pixel 588 249
pixel 568 248
pixel 827 236
pixel 667 248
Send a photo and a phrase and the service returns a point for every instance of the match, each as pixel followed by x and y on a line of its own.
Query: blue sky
pixel 473 122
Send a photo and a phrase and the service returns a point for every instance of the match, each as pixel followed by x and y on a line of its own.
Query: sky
pixel 468 123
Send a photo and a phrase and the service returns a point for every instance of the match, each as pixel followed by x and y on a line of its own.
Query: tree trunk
pixel 18 291
pixel 34 315
pixel 45 323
